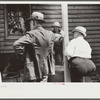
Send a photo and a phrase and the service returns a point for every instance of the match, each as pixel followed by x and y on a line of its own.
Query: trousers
pixel 80 67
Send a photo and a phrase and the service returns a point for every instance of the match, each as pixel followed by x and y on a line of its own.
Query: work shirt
pixel 59 35
pixel 62 33
pixel 78 47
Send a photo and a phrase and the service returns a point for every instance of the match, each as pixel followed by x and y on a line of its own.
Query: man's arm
pixel 20 43
pixel 57 37
pixel 69 50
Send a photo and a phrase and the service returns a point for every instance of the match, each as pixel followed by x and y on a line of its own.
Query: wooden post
pixel 0 77
pixel 66 40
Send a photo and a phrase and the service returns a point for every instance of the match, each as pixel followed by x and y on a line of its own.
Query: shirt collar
pixel 80 37
pixel 39 28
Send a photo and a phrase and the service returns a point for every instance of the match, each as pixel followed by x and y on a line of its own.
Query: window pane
pixel 16 17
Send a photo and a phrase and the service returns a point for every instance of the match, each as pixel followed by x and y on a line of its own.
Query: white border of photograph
pixel 50 90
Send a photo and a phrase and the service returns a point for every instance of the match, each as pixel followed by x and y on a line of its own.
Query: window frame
pixel 6 24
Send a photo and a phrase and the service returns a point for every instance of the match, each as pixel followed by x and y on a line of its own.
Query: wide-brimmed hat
pixel 37 16
pixel 57 24
pixel 80 29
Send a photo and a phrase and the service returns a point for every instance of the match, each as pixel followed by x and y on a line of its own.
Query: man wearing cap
pixel 58 45
pixel 78 52
pixel 37 47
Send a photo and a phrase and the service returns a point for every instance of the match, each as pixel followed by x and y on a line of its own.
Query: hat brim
pixel 79 31
pixel 29 19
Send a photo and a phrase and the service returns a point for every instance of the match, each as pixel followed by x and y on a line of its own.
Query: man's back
pixel 39 43
pixel 42 40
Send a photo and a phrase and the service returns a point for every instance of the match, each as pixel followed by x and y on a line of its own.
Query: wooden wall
pixel 2 28
pixel 89 17
pixel 52 13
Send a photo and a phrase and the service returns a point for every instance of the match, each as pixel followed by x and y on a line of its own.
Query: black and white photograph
pixel 45 42
pixel 32 41
pixel 49 49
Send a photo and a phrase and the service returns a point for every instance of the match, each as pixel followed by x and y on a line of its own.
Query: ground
pixel 92 78
pixel 59 76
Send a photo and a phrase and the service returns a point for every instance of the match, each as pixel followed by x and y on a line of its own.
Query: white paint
pixel 66 39
pixel 0 78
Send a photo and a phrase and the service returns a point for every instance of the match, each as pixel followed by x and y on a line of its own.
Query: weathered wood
pixel 85 24
pixel 72 7
pixel 82 11
pixel 53 20
pixel 89 32
pixel 97 36
pixel 93 32
pixel 1 16
pixel 97 64
pixel 8 43
pixel 84 20
pixel 96 28
pixel 1 44
pixel 88 16
pixel 52 13
pixel 95 44
pixel 97 60
pixel 94 40
pixel 2 25
pixel 7 51
pixel 1 11
pixel 1 39
pixel 96 57
pixel 2 30
pixel 53 16
pixel 47 9
pixel 95 53
pixel 2 34
pixel 46 6
pixel 1 6
pixel 6 48
pixel 1 21
pixel 96 48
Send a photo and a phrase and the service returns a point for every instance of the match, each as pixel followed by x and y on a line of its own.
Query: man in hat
pixel 78 52
pixel 37 46
pixel 58 45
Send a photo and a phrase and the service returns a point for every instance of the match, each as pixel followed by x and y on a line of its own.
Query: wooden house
pixel 87 15
pixel 69 16
pixel 11 29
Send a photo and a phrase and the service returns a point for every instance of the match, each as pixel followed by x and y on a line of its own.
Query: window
pixel 16 16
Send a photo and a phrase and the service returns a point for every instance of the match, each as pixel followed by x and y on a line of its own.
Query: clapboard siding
pixel 87 6
pixel 93 32
pixel 2 27
pixel 52 13
pixel 84 11
pixel 85 16
pixel 84 20
pixel 46 7
pixel 88 16
pixel 85 24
